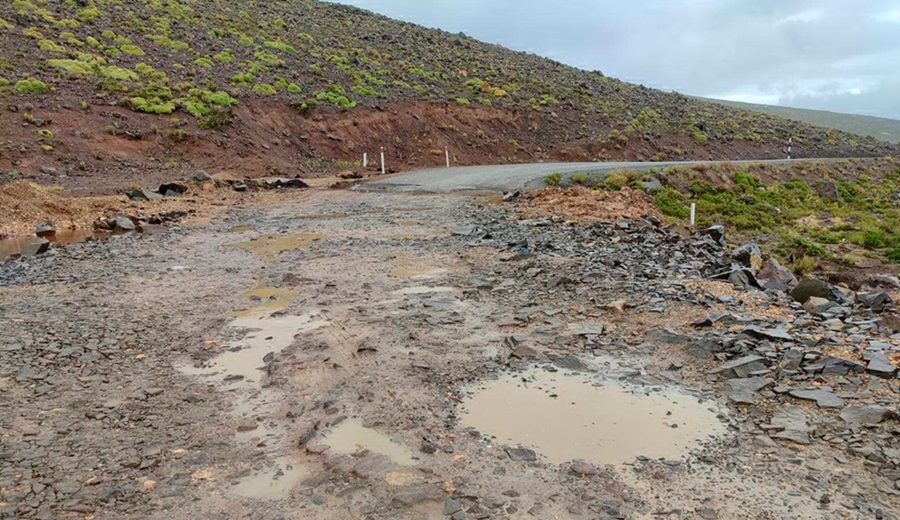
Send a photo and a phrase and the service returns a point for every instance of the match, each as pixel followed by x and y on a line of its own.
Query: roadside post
pixel 382 161
pixel 693 213
pixel 365 160
pixel 790 147
pixel 447 156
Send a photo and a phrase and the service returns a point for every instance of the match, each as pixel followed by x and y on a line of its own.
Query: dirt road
pixel 343 355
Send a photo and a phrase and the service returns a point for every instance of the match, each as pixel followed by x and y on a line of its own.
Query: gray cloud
pixel 822 54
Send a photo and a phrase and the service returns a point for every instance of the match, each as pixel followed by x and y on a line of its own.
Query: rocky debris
pixel 350 174
pixel 45 231
pixel 743 367
pixel 583 468
pixel 876 301
pixel 879 364
pixel 791 423
pixel 511 196
pixel 716 233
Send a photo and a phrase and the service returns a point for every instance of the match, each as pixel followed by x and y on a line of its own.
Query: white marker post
pixel 693 213
pixel 447 156
pixel 382 161
pixel 790 146
pixel 365 160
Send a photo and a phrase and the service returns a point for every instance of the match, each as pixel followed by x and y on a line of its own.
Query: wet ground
pixel 362 355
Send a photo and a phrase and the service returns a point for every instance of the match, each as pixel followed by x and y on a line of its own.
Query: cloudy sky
pixel 840 55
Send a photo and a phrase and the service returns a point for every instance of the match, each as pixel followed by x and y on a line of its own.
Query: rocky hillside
pixel 112 89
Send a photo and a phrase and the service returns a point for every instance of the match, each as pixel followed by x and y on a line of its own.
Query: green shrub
pixel 132 50
pixel 224 57
pixel 92 42
pixel 73 67
pixel 264 89
pixel 219 98
pixel 152 106
pixel 4 82
pixel 294 88
pixel 279 46
pixel 269 59
pixel 31 86
pixel 580 178
pixel 893 255
pixel 364 90
pixel 44 133
pixel 203 62
pixel 698 136
pixel 217 119
pixel 88 15
pixel 335 95
pixel 4 25
pixel 553 179
pixel 243 78
pixel 51 46
pixel 672 203
pixel 118 73
pixel 463 102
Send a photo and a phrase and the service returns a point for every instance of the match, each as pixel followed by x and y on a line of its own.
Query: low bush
pixel 31 86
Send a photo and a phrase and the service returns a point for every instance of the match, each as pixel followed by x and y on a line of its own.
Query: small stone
pixel 583 468
pixel 816 305
pixel 809 287
pixel 749 256
pixel 717 233
pixel 521 454
pixel 742 390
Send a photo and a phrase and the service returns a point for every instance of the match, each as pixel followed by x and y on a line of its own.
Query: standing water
pixel 569 417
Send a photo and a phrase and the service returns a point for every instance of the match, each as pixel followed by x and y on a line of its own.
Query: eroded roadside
pixel 342 355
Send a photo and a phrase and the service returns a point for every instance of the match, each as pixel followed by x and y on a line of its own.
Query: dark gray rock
pixel 143 194
pixel 809 287
pixel 774 277
pixel 742 367
pixel 774 334
pixel 748 255
pixel 123 223
pixel 717 233
pixel 201 176
pixel 45 231
pixel 866 414
pixel 744 390
pixel 876 301
pixel 879 364
pixel 824 398
pixel 521 454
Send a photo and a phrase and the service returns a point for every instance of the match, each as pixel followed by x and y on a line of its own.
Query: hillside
pixel 880 128
pixel 105 93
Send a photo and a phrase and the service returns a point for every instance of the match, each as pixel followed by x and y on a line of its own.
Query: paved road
pixel 515 176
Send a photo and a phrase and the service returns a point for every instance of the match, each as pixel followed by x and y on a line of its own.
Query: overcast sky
pixel 840 55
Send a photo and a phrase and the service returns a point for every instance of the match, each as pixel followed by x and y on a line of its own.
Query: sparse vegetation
pixel 553 179
pixel 31 86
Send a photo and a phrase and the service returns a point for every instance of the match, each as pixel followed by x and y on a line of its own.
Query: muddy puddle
pixel 350 437
pixel 271 483
pixel 267 300
pixel 270 247
pixel 573 417
pixel 20 245
pixel 244 361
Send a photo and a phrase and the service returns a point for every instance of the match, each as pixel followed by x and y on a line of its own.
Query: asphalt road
pixel 515 176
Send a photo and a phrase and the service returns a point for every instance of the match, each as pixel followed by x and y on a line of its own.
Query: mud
pixel 329 368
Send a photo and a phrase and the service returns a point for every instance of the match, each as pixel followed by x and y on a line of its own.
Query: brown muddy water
pixel 566 417
pixel 16 245
pixel 350 437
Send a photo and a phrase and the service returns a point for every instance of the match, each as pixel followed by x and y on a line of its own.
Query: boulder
pixel 45 230
pixel 140 194
pixel 773 276
pixel 201 176
pixel 172 189
pixel 748 255
pixel 810 287
pixel 717 233
pixel 743 390
pixel 123 223
pixel 876 301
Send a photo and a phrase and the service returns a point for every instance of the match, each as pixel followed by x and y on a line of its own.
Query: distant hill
pixel 113 89
pixel 880 128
